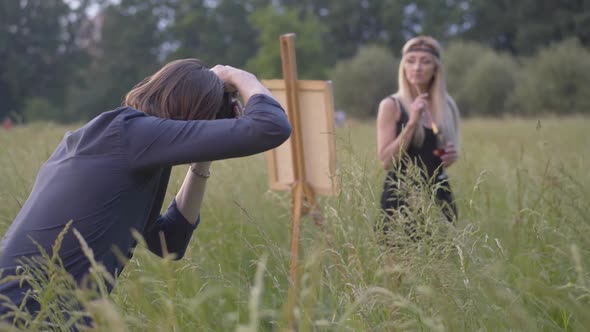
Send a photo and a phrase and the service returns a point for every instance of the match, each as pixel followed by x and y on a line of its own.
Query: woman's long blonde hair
pixel 444 109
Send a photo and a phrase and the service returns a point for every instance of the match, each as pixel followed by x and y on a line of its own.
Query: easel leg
pixel 295 227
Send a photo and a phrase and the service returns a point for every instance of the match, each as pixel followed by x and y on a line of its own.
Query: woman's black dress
pixel 432 174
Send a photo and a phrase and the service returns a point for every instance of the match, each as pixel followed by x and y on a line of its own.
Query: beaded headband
pixel 423 47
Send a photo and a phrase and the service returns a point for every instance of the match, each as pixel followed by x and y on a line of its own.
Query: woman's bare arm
pixel 390 143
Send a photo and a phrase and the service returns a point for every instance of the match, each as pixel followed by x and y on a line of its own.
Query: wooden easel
pixel 303 199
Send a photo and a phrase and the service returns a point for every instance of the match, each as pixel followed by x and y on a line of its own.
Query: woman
pixel 110 176
pixel 417 126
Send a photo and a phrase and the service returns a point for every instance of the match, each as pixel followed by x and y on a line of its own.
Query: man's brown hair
pixel 182 90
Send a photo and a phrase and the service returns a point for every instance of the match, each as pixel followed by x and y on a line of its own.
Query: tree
pixel 39 51
pixel 479 78
pixel 350 24
pixel 129 48
pixel 523 27
pixel 309 45
pixel 214 34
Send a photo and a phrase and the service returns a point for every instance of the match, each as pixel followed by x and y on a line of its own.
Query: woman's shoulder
pixel 392 103
pixel 389 102
pixel 392 98
pixel 389 109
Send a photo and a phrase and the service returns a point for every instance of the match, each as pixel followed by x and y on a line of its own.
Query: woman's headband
pixel 423 47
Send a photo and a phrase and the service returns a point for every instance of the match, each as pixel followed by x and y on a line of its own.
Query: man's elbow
pixel 169 250
pixel 279 134
pixel 285 132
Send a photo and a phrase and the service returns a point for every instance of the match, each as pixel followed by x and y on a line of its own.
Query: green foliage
pixel 52 287
pixel 524 27
pixel 84 65
pixel 130 50
pixel 490 83
pixel 361 82
pixel 458 58
pixel 350 24
pixel 216 35
pixel 439 19
pixel 479 79
pixel 310 48
pixel 556 81
pixel 38 51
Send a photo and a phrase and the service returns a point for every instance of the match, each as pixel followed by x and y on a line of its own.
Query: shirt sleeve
pixel 150 141
pixel 176 231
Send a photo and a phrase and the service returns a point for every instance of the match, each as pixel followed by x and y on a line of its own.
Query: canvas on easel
pixel 316 112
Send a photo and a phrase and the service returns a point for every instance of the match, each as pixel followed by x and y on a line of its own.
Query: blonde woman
pixel 419 124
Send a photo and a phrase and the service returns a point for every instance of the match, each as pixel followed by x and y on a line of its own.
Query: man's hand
pixel 237 79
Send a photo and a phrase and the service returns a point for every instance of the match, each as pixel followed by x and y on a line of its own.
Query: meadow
pixel 518 258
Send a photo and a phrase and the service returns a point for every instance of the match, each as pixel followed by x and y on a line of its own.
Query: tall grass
pixel 517 259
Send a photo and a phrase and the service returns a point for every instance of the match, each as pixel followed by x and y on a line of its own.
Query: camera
pixel 227 106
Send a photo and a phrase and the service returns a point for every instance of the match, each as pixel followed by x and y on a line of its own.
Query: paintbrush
pixel 432 123
pixel 440 151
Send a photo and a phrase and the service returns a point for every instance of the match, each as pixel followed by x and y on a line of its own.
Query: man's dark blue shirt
pixel 110 177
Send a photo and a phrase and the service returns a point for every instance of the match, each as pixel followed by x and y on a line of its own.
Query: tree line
pixel 68 60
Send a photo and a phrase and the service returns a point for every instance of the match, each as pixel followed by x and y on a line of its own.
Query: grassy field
pixel 517 260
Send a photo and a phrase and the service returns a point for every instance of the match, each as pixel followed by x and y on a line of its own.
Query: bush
pixel 480 79
pixel 458 58
pixel 555 81
pixel 361 82
pixel 488 85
